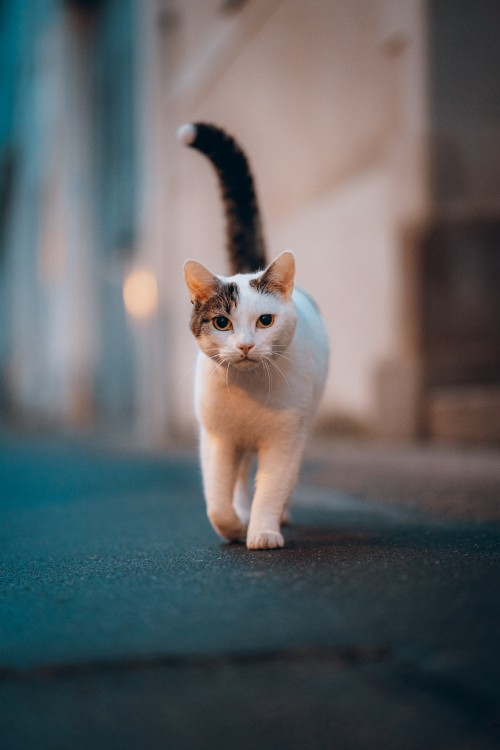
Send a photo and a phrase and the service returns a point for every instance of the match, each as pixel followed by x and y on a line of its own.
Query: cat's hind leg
pixel 219 462
pixel 242 495
pixel 285 514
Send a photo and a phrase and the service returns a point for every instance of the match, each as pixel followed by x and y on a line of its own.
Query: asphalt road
pixel 126 623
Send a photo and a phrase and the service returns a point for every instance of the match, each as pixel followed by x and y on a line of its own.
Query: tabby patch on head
pixel 278 278
pixel 222 301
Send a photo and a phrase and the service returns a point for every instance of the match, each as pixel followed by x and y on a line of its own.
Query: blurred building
pixel 373 127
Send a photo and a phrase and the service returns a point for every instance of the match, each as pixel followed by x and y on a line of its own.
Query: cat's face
pixel 245 320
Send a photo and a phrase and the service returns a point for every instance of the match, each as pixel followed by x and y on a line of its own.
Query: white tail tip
pixel 187 133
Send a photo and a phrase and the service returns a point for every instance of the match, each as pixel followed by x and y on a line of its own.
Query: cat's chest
pixel 246 413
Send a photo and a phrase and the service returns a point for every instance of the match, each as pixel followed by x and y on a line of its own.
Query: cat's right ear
pixel 201 282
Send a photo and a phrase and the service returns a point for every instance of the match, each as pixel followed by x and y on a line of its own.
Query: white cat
pixel 261 368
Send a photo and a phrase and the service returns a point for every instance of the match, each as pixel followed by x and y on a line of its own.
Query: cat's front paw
pixel 228 525
pixel 264 540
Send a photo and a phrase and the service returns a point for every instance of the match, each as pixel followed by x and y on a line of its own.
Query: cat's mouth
pixel 245 363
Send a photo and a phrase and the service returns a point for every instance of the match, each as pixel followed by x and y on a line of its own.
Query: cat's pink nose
pixel 245 348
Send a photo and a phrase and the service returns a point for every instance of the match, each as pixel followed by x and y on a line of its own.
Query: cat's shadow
pixel 381 538
pixel 301 537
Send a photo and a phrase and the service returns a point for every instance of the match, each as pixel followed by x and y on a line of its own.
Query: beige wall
pixel 328 99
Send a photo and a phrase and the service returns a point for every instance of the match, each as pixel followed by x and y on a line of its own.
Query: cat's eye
pixel 265 321
pixel 221 323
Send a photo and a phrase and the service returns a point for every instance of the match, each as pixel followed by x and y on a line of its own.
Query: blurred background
pixel 373 128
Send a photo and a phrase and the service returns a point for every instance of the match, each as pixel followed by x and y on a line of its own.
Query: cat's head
pixel 246 319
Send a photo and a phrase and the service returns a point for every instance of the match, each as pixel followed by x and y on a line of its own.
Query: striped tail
pixel 244 236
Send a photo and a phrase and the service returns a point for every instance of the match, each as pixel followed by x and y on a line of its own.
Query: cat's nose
pixel 245 348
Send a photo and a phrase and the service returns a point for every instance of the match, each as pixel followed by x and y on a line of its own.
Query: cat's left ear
pixel 201 282
pixel 280 275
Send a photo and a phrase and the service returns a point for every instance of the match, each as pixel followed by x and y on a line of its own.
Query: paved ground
pixel 125 623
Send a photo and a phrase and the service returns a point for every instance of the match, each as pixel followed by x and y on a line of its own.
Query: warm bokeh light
pixel 140 294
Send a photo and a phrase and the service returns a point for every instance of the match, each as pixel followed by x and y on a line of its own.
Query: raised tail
pixel 244 236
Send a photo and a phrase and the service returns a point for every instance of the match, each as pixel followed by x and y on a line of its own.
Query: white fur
pixel 262 404
pixel 186 133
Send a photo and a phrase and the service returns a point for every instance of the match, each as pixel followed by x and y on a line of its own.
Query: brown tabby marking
pixel 222 302
pixel 266 284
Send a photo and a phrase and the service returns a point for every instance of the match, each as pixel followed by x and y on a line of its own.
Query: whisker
pixel 278 353
pixel 283 356
pixel 268 374
pixel 189 374
pixel 276 367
